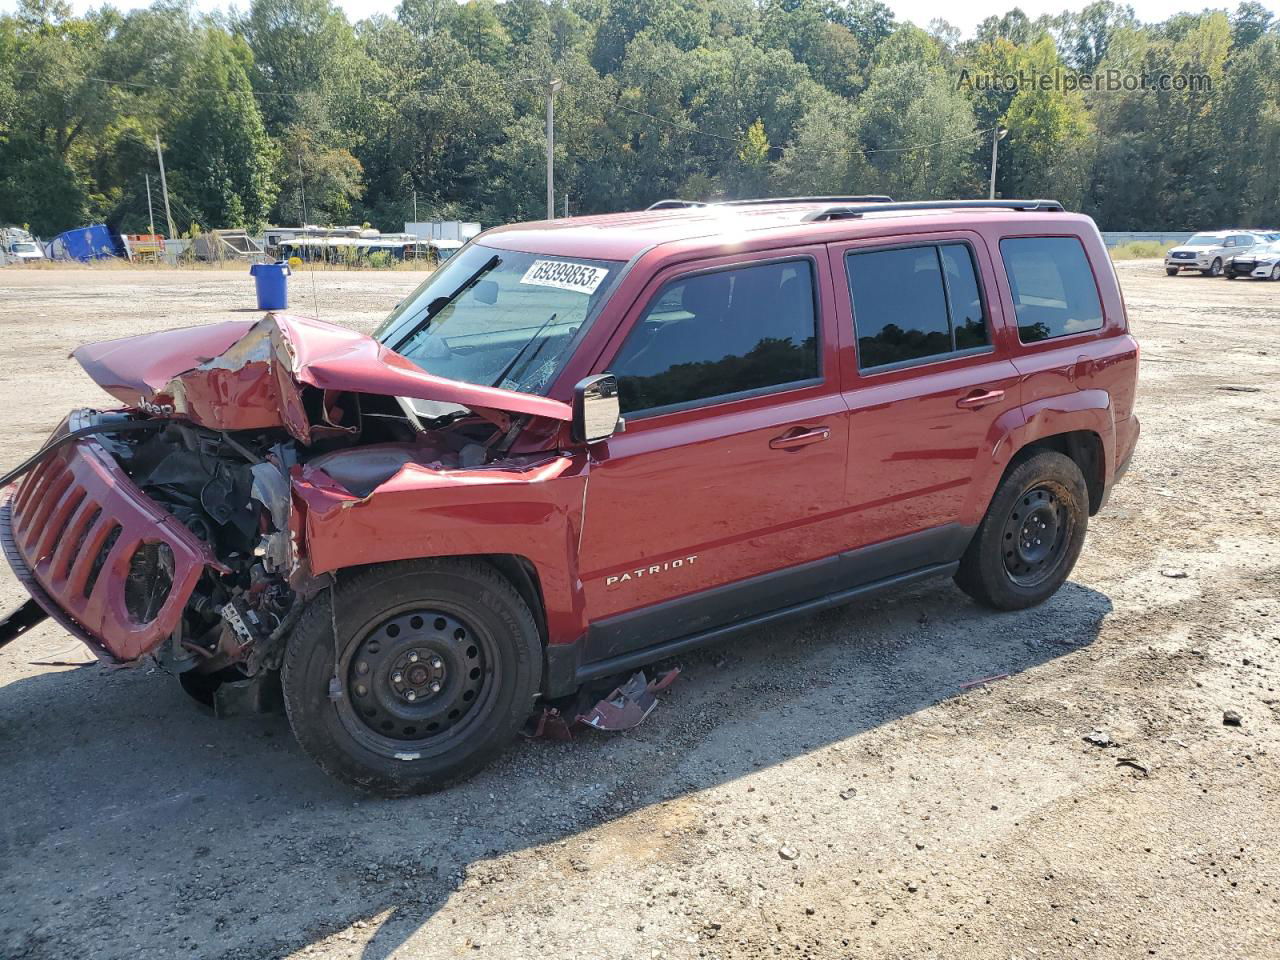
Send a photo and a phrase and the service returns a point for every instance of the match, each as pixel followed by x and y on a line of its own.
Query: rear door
pixel 927 376
pixel 712 504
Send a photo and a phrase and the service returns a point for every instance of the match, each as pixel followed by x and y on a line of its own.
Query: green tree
pixel 220 155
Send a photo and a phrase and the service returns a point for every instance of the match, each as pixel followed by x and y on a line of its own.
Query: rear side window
pixel 714 335
pixel 915 304
pixel 1054 293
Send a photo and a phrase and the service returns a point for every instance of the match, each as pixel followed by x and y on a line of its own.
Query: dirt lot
pixel 828 789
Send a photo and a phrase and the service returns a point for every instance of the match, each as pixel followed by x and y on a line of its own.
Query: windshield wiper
pixel 520 353
pixel 439 303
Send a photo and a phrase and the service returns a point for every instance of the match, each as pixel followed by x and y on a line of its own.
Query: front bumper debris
pixel 73 533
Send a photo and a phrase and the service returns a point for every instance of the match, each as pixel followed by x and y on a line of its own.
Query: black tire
pixel 1171 271
pixel 1215 269
pixel 1275 272
pixel 454 633
pixel 1230 274
pixel 1046 489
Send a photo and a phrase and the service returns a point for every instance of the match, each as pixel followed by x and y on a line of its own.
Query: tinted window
pixel 963 297
pixel 912 303
pixel 721 333
pixel 1054 292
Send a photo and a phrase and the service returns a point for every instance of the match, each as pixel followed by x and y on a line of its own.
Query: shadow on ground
pixel 134 824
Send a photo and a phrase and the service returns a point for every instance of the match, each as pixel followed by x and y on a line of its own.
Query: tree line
pixel 289 106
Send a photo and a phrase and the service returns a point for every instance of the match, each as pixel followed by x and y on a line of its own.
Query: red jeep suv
pixel 581 446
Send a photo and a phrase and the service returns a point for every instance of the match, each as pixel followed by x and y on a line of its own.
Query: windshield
pixel 498 318
pixel 1203 240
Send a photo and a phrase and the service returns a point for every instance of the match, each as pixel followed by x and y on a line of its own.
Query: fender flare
pixel 1022 426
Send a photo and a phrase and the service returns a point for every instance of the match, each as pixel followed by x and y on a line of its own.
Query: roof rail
pixel 770 201
pixel 675 204
pixel 852 211
pixel 678 204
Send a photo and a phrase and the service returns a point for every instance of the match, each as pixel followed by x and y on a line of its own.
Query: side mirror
pixel 596 408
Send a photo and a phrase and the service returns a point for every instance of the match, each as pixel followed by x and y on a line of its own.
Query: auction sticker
pixel 565 275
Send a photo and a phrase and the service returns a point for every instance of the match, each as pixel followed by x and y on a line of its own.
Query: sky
pixel 920 12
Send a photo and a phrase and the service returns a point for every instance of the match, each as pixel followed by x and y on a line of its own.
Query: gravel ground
pixel 832 788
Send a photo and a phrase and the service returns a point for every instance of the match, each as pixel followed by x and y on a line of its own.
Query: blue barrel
pixel 272 283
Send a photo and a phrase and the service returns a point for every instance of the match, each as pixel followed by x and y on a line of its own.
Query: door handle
pixel 792 441
pixel 980 398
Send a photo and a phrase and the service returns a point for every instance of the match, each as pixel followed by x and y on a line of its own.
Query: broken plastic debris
pixel 629 704
pixel 624 708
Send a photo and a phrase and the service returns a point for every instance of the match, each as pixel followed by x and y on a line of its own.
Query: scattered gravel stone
pixel 1173 574
pixel 1231 718
pixel 848 793
pixel 787 852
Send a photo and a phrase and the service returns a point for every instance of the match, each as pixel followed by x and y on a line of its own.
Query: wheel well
pixel 519 570
pixel 1082 446
pixel 524 577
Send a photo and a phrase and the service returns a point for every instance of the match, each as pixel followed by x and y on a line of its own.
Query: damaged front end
pixel 172 527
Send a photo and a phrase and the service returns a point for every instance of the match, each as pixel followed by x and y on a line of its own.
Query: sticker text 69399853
pixel 565 275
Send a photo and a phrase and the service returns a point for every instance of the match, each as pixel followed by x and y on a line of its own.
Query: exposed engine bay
pixel 233 492
pixel 222 427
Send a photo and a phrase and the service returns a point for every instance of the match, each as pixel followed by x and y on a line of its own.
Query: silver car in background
pixel 1261 261
pixel 1209 252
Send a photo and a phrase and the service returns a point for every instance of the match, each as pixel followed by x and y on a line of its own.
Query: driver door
pixel 716 502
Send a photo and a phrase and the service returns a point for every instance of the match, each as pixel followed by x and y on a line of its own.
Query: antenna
pixel 311 263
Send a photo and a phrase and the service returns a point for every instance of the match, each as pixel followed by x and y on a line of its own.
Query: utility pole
pixel 996 136
pixel 151 217
pixel 552 87
pixel 415 206
pixel 164 188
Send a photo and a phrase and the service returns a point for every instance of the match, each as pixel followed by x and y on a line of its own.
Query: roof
pixel 621 236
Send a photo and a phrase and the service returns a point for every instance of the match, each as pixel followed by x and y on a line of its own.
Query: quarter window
pixel 719 334
pixel 915 304
pixel 1054 293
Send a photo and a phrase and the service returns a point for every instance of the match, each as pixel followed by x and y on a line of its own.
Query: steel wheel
pixel 1036 534
pixel 417 682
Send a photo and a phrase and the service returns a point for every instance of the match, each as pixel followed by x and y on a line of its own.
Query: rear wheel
pixel 438 663
pixel 1031 536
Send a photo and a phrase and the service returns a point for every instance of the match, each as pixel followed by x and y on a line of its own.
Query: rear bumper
pixel 70 533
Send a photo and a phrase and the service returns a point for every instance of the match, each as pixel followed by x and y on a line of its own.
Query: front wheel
pixel 1275 272
pixel 1031 535
pixel 1215 269
pixel 438 663
pixel 1171 271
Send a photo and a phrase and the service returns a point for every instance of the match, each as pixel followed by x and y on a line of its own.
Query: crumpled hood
pixel 244 375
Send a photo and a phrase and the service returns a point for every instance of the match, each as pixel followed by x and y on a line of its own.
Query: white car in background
pixel 1209 252
pixel 1262 261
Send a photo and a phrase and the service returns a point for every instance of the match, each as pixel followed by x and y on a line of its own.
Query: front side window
pixel 1054 293
pixel 914 304
pixel 715 335
pixel 498 318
